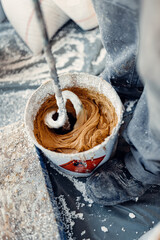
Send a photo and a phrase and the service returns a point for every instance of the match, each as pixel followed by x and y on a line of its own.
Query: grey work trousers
pixel 129 38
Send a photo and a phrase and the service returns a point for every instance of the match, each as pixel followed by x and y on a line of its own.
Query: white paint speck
pixel 104 229
pixel 89 205
pixel 82 233
pixel 123 229
pixel 132 215
pixel 130 105
pixel 80 216
pixel 100 57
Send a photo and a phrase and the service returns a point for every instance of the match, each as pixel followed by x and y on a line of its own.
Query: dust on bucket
pixel 79 164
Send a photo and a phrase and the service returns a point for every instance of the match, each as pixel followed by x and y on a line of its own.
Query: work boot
pixel 112 184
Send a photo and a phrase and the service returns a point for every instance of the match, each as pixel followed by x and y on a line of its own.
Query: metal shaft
pixel 51 63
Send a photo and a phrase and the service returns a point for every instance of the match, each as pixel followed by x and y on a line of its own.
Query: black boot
pixel 112 184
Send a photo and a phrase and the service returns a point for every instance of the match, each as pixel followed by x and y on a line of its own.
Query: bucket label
pixel 80 166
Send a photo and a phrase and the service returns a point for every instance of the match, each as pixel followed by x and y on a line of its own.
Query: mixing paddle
pixel 61 97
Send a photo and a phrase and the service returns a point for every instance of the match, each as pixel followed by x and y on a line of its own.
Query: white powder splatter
pixel 79 204
pixel 136 199
pixel 104 220
pixel 80 186
pixel 100 57
pixel 79 215
pixel 89 205
pixel 130 105
pixel 123 229
pixel 132 215
pixel 82 233
pixel 61 62
pixel 12 106
pixel 68 216
pixel 104 229
pixel 91 37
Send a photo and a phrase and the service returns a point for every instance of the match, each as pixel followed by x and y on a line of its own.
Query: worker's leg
pixel 116 181
pixel 118 22
pixel 144 129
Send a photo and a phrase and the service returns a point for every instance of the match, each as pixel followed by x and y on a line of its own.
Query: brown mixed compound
pixel 92 126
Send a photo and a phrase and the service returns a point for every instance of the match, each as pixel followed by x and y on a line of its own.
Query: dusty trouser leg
pixel 118 22
pixel 144 129
pixel 118 181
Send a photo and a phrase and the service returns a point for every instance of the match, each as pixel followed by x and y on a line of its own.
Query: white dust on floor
pixel 132 215
pixel 104 229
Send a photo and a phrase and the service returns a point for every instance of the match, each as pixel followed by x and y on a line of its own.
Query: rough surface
pixel 26 211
